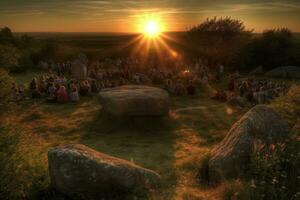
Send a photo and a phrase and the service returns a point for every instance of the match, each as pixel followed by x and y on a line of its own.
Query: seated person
pixel 205 80
pixel 94 86
pixel 180 89
pixel 191 90
pixel 42 86
pixel 35 94
pixel 14 92
pixel 74 95
pixel 33 84
pixel 21 91
pixel 233 101
pixel 51 93
pixel 84 88
pixel 220 96
pixel 62 95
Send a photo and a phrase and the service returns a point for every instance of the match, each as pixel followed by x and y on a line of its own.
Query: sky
pixel 126 15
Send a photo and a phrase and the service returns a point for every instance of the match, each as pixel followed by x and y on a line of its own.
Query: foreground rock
pixel 260 125
pixel 135 100
pixel 284 72
pixel 79 170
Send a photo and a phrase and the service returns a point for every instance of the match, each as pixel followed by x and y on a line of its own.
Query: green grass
pixel 173 147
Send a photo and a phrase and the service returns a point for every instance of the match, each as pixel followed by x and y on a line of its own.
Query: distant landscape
pixel 210 113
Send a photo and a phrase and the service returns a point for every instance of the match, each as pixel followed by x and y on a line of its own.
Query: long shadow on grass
pixel 148 142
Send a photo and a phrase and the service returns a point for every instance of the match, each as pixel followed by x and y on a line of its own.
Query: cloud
pixel 114 11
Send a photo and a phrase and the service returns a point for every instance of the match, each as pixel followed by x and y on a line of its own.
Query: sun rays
pixel 145 46
pixel 153 40
pixel 152 29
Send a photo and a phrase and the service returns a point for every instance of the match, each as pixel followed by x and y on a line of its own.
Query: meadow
pixel 173 147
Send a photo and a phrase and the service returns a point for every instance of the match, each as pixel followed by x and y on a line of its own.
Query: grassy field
pixel 172 147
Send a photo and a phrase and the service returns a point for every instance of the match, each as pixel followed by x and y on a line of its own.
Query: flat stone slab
pixel 135 100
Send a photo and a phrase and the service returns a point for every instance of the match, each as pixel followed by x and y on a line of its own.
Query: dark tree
pixel 5 84
pixel 26 41
pixel 274 48
pixel 219 39
pixel 6 36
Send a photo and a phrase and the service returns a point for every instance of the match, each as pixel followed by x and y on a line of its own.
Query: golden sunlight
pixel 151 25
pixel 152 28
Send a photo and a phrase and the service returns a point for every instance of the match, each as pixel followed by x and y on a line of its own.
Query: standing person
pixel 220 72
pixel 231 83
pixel 33 84
pixel 15 92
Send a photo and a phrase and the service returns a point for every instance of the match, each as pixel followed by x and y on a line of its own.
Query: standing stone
pixel 80 170
pixel 260 125
pixel 79 67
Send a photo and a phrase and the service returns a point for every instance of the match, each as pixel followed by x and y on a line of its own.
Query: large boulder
pixel 80 170
pixel 284 72
pixel 261 125
pixel 135 100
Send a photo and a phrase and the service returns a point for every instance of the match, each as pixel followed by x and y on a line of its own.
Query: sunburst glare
pixel 151 26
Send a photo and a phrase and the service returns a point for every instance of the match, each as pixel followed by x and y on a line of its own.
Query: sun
pixel 152 28
pixel 150 25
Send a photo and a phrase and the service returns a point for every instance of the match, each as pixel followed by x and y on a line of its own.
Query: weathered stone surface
pixel 80 170
pixel 260 125
pixel 285 72
pixel 135 100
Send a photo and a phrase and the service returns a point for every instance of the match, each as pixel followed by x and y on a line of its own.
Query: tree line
pixel 223 41
pixel 228 41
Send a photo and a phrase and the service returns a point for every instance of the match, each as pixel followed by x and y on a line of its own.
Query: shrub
pixel 24 63
pixel 219 39
pixel 289 105
pixel 5 83
pixel 274 48
pixel 273 174
pixel 9 56
pixel 6 35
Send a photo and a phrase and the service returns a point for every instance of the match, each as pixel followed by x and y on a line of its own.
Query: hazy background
pixel 123 15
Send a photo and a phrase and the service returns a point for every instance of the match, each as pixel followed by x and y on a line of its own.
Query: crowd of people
pixel 58 85
pixel 255 91
pixel 260 91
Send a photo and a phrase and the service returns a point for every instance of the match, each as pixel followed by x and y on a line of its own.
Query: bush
pixel 9 56
pixel 6 35
pixel 24 63
pixel 220 40
pixel 274 173
pixel 274 48
pixel 5 83
pixel 289 105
